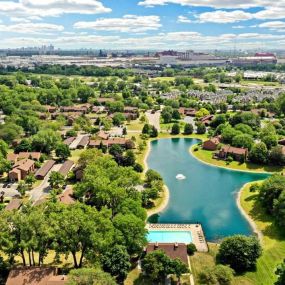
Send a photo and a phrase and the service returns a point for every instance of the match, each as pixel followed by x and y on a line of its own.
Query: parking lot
pixel 9 189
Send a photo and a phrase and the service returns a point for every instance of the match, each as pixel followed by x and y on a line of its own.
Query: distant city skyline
pixel 143 24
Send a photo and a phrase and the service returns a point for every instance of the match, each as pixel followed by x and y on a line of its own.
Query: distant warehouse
pixel 43 171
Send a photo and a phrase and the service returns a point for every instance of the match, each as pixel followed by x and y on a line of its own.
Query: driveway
pixel 190 120
pixel 44 188
pixel 154 119
pixel 10 191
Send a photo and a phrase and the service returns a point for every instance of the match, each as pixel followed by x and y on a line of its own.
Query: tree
pixel 116 261
pixel 166 114
pixel 218 275
pixel 153 132
pixel 131 232
pixel 175 130
pixel 89 276
pixel 176 114
pixel 201 128
pixel 276 156
pixel 270 140
pixel 243 141
pixel 239 252
pixel 84 93
pixel 80 230
pixel 118 119
pixel 152 175
pixel 62 151
pixel 157 265
pixel 22 188
pixel 5 165
pixel 270 191
pixel 259 153
pixel 3 148
pixel 278 210
pixel 45 141
pixel 146 129
pixel 56 180
pixel 280 272
pixel 188 129
pixel 30 180
pixel 191 248
pixel 129 158
pixel 228 134
pixel 202 113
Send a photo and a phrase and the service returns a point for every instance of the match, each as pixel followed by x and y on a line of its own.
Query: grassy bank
pixel 273 244
pixel 207 157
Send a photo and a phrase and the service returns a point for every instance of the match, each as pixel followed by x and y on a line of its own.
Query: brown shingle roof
pixel 30 275
pixel 234 150
pixel 26 165
pixel 172 250
pixel 14 204
pixel 32 155
pixel 66 167
pixel 43 171
pixel 67 196
pixel 83 142
pixel 68 141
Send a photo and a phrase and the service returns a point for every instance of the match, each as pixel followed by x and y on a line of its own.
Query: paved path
pixel 43 189
pixel 154 119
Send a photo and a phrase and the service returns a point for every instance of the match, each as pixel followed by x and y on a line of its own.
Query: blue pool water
pixel 169 237
pixel 207 195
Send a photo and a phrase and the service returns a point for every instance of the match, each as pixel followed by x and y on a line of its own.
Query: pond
pixel 206 194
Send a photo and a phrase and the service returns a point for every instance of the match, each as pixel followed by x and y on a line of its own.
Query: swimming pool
pixel 169 236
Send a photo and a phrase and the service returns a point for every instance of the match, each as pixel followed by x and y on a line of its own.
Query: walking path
pixel 154 119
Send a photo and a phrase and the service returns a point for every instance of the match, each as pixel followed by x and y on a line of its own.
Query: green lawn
pixel 273 245
pixel 206 156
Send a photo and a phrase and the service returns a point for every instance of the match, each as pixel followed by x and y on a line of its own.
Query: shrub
pixel 191 248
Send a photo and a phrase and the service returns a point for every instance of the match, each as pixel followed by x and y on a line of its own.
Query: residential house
pixel 21 169
pixel 44 170
pixel 239 154
pixel 207 120
pixel 83 142
pixel 172 250
pixel 211 144
pixel 35 275
pixel 14 204
pixel 66 167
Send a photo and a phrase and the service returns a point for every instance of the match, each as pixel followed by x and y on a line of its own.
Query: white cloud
pixel 272 25
pixel 209 3
pixel 183 19
pixel 31 28
pixel 224 16
pixel 238 27
pixel 51 8
pixel 128 23
pixel 177 40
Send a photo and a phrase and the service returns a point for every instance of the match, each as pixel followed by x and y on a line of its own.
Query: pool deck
pixel 198 237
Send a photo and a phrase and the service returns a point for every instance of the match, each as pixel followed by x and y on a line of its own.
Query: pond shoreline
pixel 166 195
pixel 166 198
pixel 224 167
pixel 245 214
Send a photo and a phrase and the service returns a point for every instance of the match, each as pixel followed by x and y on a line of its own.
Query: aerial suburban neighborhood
pixel 142 142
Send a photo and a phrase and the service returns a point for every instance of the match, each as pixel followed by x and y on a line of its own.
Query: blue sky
pixel 143 24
